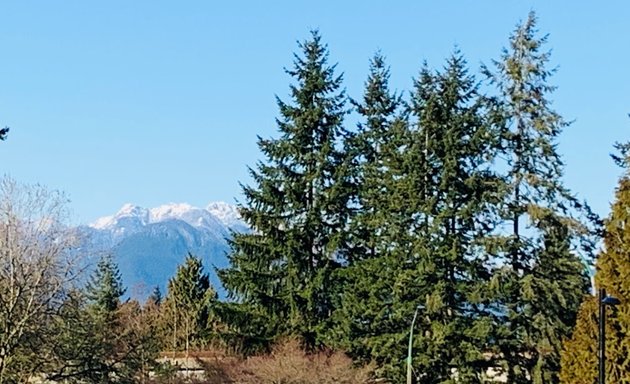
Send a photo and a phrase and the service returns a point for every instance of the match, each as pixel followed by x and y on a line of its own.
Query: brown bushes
pixel 288 363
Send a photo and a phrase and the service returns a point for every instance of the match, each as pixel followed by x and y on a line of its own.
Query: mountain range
pixel 149 243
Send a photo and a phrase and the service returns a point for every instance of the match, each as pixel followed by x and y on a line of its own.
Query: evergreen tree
pixel 430 201
pixel 96 338
pixel 579 358
pixel 105 287
pixel 454 147
pixel 369 321
pixel 579 362
pixel 373 149
pixel 297 209
pixel 548 225
pixel 188 304
pixel 91 346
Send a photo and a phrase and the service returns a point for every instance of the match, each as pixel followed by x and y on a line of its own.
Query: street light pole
pixel 604 300
pixel 409 350
pixel 602 337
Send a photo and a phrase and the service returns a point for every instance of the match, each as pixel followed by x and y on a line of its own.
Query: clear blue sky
pixel 152 102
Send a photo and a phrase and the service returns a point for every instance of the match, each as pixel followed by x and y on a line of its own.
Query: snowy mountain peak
pixel 102 222
pixel 127 211
pixel 170 211
pixel 216 214
pixel 131 210
pixel 227 213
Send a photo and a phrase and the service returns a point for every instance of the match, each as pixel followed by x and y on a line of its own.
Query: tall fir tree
pixel 540 278
pixel 368 320
pixel 454 146
pixel 100 323
pixel 372 149
pixel 431 195
pixel 187 309
pixel 579 357
pixel 297 209
pixel 89 345
pixel 105 341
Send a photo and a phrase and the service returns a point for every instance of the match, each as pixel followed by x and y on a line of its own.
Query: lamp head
pixel 611 300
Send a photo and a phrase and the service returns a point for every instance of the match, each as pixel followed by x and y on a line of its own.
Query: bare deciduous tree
pixel 37 267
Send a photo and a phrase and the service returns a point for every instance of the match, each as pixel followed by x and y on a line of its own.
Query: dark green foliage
pixel 455 203
pixel 97 339
pixel 451 204
pixel 374 151
pixel 82 344
pixel 540 278
pixel 296 208
pixel 105 287
pixel 370 320
pixel 552 293
pixel 248 329
pixel 454 145
pixel 425 195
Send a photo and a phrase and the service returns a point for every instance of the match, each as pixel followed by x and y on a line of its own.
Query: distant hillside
pixel 149 244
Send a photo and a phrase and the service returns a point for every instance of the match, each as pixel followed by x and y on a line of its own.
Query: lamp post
pixel 409 376
pixel 604 300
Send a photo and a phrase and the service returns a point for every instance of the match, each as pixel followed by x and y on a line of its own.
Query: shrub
pixel 288 363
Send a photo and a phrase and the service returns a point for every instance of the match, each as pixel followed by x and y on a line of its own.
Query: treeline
pixel 52 325
pixel 445 202
pixel 58 327
pixel 447 199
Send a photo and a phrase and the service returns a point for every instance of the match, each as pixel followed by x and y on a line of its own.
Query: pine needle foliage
pixel 187 309
pixel 370 322
pixel 105 287
pixel 542 260
pixel 424 196
pixel 454 145
pixel 297 208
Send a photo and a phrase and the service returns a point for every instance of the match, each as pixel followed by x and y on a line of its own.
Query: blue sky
pixel 152 102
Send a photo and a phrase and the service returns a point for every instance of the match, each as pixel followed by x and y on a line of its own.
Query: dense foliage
pixel 444 204
pixel 540 276
pixel 451 202
pixel 186 319
pixel 285 268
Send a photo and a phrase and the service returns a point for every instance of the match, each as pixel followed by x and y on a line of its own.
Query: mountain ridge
pixel 149 243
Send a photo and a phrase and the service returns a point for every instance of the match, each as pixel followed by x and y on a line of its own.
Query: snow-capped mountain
pixel 149 243
pixel 228 215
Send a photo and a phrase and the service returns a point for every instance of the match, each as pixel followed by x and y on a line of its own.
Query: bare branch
pixel 37 265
